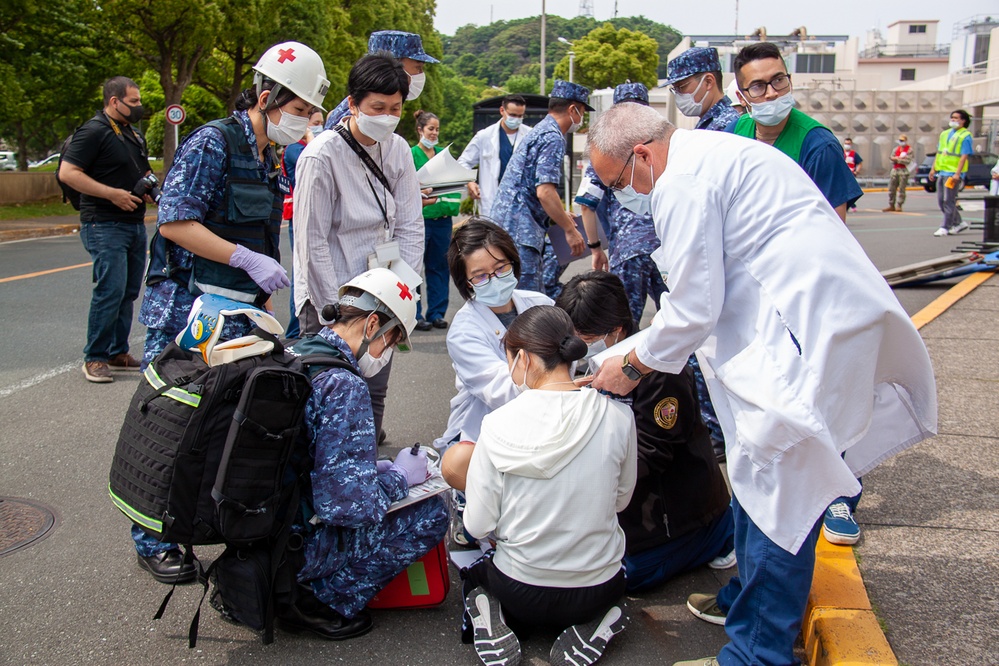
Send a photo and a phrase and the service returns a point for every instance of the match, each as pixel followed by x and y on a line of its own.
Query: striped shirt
pixel 339 221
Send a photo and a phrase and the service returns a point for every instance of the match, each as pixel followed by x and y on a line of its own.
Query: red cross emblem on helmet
pixel 286 54
pixel 404 292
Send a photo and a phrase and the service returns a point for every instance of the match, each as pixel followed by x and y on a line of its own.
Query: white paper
pixel 620 349
pixel 443 170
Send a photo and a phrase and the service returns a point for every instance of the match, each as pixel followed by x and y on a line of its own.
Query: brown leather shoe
pixel 97 372
pixel 124 362
pixel 889 209
pixel 898 209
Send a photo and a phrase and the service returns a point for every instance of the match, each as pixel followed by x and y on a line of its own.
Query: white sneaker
pixel 585 643
pixel 959 228
pixel 495 644
pixel 723 561
pixel 942 231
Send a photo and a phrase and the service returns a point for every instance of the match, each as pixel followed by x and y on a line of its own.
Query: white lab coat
pixel 806 351
pixel 482 376
pixel 483 152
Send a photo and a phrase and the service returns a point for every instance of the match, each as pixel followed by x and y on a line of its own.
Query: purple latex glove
pixel 266 272
pixel 383 465
pixel 413 467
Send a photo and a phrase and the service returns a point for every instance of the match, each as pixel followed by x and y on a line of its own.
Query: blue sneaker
pixel 838 525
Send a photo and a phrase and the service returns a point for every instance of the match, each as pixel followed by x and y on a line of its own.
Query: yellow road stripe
pixel 949 298
pixel 41 273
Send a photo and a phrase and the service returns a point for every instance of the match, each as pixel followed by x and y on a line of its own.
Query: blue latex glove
pixel 383 465
pixel 266 272
pixel 413 467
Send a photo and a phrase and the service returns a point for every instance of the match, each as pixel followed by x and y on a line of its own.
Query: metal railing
pixel 906 51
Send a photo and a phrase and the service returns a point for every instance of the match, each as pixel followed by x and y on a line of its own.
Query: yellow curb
pixel 885 189
pixel 839 627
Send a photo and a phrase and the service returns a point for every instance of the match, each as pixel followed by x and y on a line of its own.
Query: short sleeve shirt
pixel 628 234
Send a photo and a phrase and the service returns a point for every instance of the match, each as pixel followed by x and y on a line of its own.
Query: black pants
pixel 530 606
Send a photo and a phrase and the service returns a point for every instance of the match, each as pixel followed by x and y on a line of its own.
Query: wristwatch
pixel 630 371
pixel 594 245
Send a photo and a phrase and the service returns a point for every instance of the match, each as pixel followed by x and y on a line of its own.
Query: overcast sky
pixel 713 17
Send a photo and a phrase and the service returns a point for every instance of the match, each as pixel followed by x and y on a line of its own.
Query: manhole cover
pixel 22 522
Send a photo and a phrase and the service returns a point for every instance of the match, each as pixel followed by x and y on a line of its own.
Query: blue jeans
pixel 657 565
pixel 765 603
pixel 118 250
pixel 437 234
pixel 293 330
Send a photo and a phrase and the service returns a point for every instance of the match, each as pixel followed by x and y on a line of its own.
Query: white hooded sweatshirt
pixel 548 476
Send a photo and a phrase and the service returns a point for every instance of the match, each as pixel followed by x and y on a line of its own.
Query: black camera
pixel 148 184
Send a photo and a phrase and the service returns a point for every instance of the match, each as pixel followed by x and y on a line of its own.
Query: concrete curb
pixel 38 232
pixel 840 627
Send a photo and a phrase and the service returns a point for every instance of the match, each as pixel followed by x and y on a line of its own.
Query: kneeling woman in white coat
pixel 548 475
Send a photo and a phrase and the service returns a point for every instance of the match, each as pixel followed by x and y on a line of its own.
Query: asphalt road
pixel 77 596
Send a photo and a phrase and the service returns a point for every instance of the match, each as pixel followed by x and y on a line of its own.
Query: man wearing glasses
pixel 765 89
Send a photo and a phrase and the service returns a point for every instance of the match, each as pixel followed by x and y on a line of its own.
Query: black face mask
pixel 134 114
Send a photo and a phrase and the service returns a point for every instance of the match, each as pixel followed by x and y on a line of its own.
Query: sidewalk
pixel 39 227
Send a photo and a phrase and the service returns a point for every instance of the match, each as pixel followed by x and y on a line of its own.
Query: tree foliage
pixel 606 57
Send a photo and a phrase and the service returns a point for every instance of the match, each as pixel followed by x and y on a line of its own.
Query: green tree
pixel 607 57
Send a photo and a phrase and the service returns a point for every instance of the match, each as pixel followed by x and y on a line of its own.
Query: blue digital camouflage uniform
pixel 702 60
pixel 341 111
pixel 632 239
pixel 631 92
pixel 536 160
pixel 194 186
pixel 358 547
pixel 719 116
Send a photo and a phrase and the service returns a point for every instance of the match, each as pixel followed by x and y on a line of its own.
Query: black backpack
pixel 69 195
pixel 205 456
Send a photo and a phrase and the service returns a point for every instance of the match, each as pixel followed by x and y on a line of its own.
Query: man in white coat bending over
pixel 491 149
pixel 806 351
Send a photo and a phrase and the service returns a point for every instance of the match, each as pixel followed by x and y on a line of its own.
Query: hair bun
pixel 571 348
pixel 331 312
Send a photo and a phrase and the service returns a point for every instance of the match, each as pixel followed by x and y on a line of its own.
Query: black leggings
pixel 528 606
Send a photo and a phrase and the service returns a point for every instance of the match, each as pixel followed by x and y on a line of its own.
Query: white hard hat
pixel 730 93
pixel 384 291
pixel 294 66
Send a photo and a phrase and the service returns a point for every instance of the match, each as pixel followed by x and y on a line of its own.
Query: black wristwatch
pixel 630 371
pixel 594 245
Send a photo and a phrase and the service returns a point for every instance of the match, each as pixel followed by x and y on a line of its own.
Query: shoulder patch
pixel 666 413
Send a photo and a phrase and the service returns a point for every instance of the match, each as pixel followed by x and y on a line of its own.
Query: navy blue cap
pixel 400 44
pixel 631 92
pixel 692 61
pixel 573 92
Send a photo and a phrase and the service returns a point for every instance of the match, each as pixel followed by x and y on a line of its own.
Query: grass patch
pixel 44 208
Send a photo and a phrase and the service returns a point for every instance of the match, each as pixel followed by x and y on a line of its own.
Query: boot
pixel 889 209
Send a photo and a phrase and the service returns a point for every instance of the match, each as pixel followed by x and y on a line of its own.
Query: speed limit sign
pixel 175 114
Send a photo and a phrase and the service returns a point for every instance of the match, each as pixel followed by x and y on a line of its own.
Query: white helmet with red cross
pixel 294 66
pixel 384 291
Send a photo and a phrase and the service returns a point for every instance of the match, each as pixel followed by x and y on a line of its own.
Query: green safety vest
pixel 791 137
pixel 949 150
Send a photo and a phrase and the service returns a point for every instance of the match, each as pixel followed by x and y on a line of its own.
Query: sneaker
pixel 124 362
pixel 585 643
pixel 942 231
pixel 97 372
pixel 838 525
pixel 707 661
pixel 705 607
pixel 723 561
pixel 960 227
pixel 459 535
pixel 494 642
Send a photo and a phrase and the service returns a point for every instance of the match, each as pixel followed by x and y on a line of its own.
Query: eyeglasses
pixel 482 279
pixel 675 89
pixel 616 183
pixel 779 83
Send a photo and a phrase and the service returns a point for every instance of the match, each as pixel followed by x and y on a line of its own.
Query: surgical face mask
pixel 954 124
pixel 686 104
pixel 497 292
pixel 416 83
pixel 521 387
pixel 377 128
pixel 574 127
pixel 287 130
pixel 901 143
pixel 773 112
pixel 512 123
pixel 371 366
pixel 429 143
pixel 636 202
pixel 316 130
pixel 595 347
pixel 847 146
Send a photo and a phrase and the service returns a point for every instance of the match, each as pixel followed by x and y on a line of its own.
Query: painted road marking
pixel 38 379
pixel 25 276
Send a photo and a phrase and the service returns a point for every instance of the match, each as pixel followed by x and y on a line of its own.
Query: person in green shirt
pixel 437 214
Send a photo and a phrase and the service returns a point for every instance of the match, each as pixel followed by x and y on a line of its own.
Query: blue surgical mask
pixel 512 123
pixel 773 112
pixel 428 142
pixel 636 202
pixel 497 291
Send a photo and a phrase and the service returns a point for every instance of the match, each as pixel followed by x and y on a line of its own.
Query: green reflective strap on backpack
pixel 178 394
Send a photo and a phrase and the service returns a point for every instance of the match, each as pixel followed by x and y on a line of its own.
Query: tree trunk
pixel 22 148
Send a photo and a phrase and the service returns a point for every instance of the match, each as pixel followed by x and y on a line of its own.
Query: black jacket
pixel 680 487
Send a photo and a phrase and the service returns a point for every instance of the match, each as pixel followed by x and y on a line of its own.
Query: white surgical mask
pixel 288 130
pixel 901 143
pixel 636 202
pixel 512 123
pixel 686 104
pixel 497 291
pixel 954 124
pixel 773 112
pixel 378 128
pixel 429 143
pixel 416 83
pixel 595 347
pixel 316 129
pixel 521 387
pixel 371 366
pixel 847 146
pixel 575 126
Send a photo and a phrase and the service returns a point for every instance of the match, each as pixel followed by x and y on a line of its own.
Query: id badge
pixel 284 183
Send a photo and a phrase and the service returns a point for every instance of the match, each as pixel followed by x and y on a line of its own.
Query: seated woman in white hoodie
pixel 547 477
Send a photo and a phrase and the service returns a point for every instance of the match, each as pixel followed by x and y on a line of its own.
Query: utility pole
pixel 544 45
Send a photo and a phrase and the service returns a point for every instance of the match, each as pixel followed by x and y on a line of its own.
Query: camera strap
pixel 121 137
